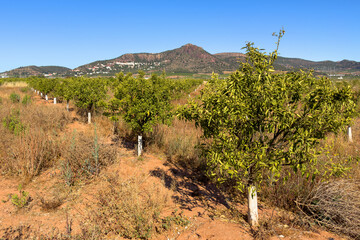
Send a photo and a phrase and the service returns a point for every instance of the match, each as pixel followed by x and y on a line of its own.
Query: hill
pixel 186 59
pixel 38 71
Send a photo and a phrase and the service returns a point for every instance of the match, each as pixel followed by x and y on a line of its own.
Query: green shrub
pixel 24 89
pixel 20 200
pixel 13 123
pixel 14 97
pixel 26 100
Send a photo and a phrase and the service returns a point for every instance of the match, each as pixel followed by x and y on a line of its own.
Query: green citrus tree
pixel 144 102
pixel 112 110
pixel 65 89
pixel 88 93
pixel 257 120
pixel 46 85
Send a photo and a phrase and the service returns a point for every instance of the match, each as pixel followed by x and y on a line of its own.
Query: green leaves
pixel 144 102
pixel 88 92
pixel 259 120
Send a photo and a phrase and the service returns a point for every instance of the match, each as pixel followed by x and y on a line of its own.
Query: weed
pixel 66 170
pixel 335 205
pixel 174 219
pixel 67 173
pixel 20 200
pixel 14 97
pixel 13 123
pixel 91 165
pixel 32 152
pixel 26 100
pixel 24 89
pixel 127 208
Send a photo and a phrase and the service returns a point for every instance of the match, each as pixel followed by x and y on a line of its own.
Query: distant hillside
pixel 186 59
pixel 38 71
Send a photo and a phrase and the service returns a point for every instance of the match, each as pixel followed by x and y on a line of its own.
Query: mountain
pixel 186 59
pixel 38 71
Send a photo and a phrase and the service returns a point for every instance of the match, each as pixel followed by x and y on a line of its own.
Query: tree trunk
pixel 140 145
pixel 253 216
pixel 46 97
pixel 349 133
pixel 67 105
pixel 54 100
pixel 89 117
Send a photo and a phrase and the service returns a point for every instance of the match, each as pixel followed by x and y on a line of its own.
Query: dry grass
pixel 179 142
pixel 335 205
pixel 42 145
pixel 127 208
pixel 84 156
pixel 32 152
pixel 14 84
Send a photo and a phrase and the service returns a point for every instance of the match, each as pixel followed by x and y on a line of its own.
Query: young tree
pixel 88 93
pixel 112 110
pixel 47 85
pixel 257 120
pixel 144 103
pixel 66 90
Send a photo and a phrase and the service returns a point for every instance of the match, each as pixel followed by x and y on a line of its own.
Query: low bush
pixel 26 100
pixel 24 89
pixel 14 97
pixel 33 152
pixel 13 122
pixel 21 200
pixel 84 156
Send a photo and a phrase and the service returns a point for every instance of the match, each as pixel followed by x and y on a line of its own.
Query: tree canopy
pixel 258 120
pixel 144 102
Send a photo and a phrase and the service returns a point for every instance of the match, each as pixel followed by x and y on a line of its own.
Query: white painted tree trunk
pixel 46 97
pixel 89 117
pixel 54 100
pixel 67 106
pixel 140 145
pixel 253 216
pixel 41 94
pixel 349 133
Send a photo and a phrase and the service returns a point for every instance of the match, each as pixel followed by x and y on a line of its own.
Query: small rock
pixel 281 236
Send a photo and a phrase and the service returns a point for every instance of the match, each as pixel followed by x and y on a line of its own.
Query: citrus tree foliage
pixel 65 89
pixel 258 120
pixel 112 109
pixel 144 102
pixel 88 92
pixel 119 78
pixel 34 82
pixel 46 85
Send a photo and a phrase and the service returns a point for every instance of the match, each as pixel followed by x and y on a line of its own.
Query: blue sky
pixel 75 32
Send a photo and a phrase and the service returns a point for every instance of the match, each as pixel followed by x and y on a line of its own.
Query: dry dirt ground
pixel 202 204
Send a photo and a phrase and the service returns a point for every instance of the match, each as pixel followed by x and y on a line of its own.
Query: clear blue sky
pixel 74 32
